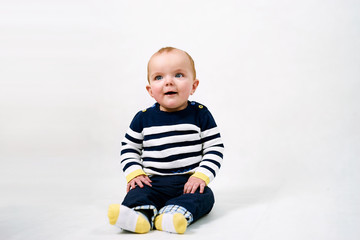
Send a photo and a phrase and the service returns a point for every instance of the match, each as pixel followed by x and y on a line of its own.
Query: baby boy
pixel 170 153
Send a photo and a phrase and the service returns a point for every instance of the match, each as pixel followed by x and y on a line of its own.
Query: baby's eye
pixel 158 77
pixel 179 75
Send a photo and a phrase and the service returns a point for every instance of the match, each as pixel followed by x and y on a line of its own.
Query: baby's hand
pixel 139 180
pixel 193 184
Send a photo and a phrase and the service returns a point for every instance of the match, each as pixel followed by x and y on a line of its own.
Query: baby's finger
pixel 202 188
pixel 194 188
pixel 139 183
pixel 185 187
pixel 148 179
pixel 188 188
pixel 132 184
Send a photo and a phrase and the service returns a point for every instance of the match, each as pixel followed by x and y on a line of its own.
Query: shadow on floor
pixel 230 200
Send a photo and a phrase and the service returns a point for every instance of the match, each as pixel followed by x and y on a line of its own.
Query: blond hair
pixel 169 49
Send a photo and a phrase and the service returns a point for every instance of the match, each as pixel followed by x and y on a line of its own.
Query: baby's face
pixel 171 80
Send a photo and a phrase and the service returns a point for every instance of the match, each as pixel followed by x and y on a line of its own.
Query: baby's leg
pixel 145 200
pixel 137 211
pixel 181 211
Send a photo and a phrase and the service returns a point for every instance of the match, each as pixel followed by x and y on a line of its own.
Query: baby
pixel 170 153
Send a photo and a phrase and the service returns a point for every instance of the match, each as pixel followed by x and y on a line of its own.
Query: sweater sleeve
pixel 213 148
pixel 131 148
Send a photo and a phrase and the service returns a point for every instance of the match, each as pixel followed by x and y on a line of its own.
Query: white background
pixel 282 79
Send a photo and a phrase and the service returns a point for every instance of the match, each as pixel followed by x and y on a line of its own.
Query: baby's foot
pixel 128 219
pixel 171 222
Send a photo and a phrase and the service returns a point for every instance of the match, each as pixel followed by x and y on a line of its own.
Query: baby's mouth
pixel 170 93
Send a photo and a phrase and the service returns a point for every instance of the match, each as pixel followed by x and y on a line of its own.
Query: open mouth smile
pixel 170 93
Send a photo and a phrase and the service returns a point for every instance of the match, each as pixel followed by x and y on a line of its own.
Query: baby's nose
pixel 169 80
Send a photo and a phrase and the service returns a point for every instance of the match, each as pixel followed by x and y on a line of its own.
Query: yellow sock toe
pixel 113 213
pixel 180 223
pixel 142 225
pixel 158 222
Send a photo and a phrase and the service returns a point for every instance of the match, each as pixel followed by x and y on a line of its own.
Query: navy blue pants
pixel 168 190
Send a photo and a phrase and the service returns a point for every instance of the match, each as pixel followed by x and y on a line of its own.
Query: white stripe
pixel 217 149
pixel 213 157
pixel 210 132
pixel 210 165
pixel 171 151
pixel 152 172
pixel 130 144
pixel 135 160
pixel 174 164
pixel 169 128
pixel 133 147
pixel 212 142
pixel 171 139
pixel 130 160
pixel 129 155
pixel 168 223
pixel 135 134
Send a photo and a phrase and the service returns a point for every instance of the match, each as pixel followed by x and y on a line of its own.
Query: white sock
pixel 128 219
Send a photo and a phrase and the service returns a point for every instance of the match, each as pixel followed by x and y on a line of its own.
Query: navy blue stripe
pixel 219 145
pixel 175 170
pixel 215 153
pixel 130 164
pixel 126 159
pixel 211 137
pixel 169 134
pixel 172 145
pixel 210 169
pixel 134 140
pixel 129 150
pixel 212 161
pixel 173 157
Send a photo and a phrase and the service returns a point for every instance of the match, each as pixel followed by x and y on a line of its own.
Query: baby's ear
pixel 148 88
pixel 194 86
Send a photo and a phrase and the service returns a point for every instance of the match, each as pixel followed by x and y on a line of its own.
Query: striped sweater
pixel 170 143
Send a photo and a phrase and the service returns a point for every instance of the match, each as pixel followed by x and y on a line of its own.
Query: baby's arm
pixel 213 148
pixel 193 184
pixel 140 181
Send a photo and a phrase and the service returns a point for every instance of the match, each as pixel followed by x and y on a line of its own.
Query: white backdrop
pixel 281 78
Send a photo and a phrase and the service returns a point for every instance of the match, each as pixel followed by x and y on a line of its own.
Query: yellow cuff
pixel 134 174
pixel 202 177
